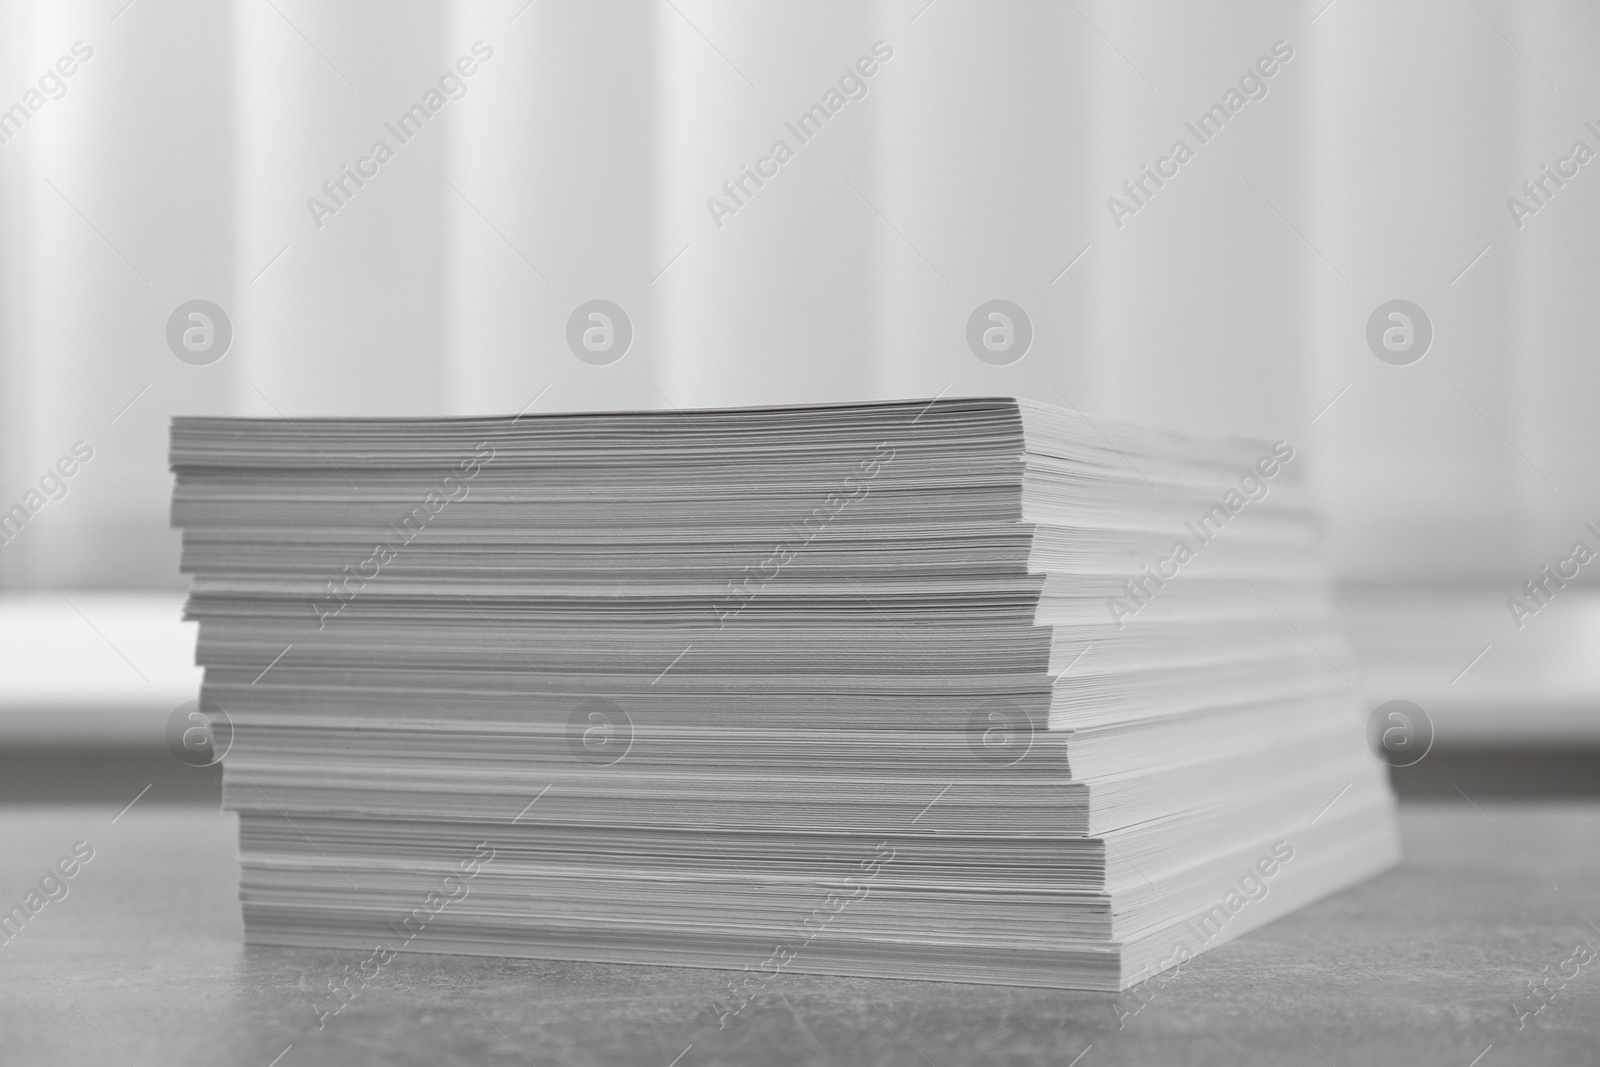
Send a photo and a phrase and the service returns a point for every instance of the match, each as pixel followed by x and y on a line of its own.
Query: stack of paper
pixel 971 690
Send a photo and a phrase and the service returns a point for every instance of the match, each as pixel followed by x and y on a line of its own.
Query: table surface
pixel 142 964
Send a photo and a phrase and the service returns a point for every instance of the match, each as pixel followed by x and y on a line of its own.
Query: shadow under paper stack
pixel 915 690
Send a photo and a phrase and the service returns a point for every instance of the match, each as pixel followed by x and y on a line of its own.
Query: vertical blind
pixel 603 152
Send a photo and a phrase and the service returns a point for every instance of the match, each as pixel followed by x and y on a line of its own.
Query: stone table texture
pixel 142 963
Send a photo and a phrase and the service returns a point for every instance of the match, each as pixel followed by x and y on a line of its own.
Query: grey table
pixel 142 963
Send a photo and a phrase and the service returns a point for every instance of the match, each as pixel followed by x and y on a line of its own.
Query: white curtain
pixel 576 163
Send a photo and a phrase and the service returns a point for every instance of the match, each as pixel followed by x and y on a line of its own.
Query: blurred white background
pixel 176 162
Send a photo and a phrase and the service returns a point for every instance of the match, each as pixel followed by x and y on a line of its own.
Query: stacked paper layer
pixel 972 690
